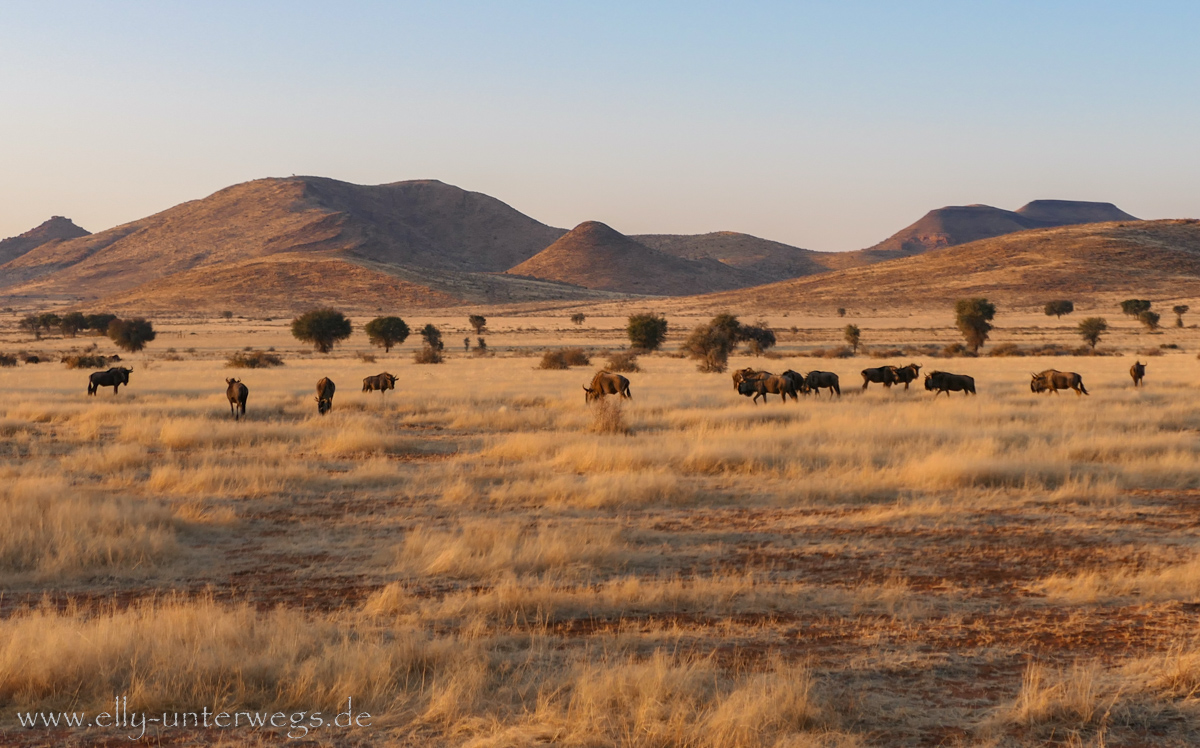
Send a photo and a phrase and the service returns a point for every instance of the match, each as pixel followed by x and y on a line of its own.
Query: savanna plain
pixel 480 558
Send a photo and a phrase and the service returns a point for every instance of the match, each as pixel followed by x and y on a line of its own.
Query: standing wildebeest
pixel 325 389
pixel 742 375
pixel 906 374
pixel 1138 372
pixel 1052 380
pixel 381 382
pixel 797 380
pixel 943 381
pixel 773 385
pixel 818 379
pixel 237 393
pixel 112 378
pixel 885 375
pixel 606 383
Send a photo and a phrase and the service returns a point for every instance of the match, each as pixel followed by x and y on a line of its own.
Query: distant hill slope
pixel 960 224
pixel 56 229
pixel 595 256
pixel 761 260
pixel 1156 260
pixel 424 223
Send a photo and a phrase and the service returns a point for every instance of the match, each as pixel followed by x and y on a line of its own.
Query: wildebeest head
pixel 122 373
pixel 748 387
pixel 1038 383
pixel 928 382
pixel 232 382
pixel 323 406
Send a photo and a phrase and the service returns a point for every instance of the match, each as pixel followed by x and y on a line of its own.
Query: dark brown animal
pixel 818 379
pixel 237 393
pixel 112 378
pixel 1052 380
pixel 741 375
pixel 797 380
pixel 941 381
pixel 325 390
pixel 381 382
pixel 772 385
pixel 906 374
pixel 1138 372
pixel 606 383
pixel 885 375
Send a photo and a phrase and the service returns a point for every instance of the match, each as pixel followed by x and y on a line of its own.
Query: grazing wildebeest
pixel 1138 372
pixel 606 383
pixel 943 381
pixel 742 375
pixel 381 382
pixel 1052 380
pixel 818 379
pixel 114 378
pixel 885 375
pixel 772 385
pixel 325 389
pixel 237 393
pixel 797 380
pixel 906 374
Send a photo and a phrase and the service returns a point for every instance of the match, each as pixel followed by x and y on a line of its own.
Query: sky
pixel 826 125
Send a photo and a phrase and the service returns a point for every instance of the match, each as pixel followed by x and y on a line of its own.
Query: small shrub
pixel 427 355
pixel 886 352
pixel 1170 346
pixel 1007 349
pixel 31 359
pixel 957 350
pixel 253 360
pixel 87 360
pixel 576 357
pixel 7 359
pixel 646 331
pixel 578 318
pixel 1150 352
pixel 366 358
pixel 842 351
pixel 554 360
pixel 623 361
pixel 607 417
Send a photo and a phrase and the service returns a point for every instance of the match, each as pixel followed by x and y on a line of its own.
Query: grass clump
pixel 564 358
pixel 254 360
pixel 623 361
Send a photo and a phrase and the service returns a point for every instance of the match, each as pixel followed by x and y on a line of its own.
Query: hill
pixel 960 224
pixel 760 260
pixel 420 223
pixel 595 256
pixel 56 229
pixel 1095 262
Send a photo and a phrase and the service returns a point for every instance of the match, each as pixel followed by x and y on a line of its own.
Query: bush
pixel 323 328
pixel 607 418
pixel 1059 308
pixel 646 331
pixel 7 359
pixel 973 317
pixel 253 360
pixel 88 360
pixel 576 357
pixel 427 355
pixel 888 352
pixel 564 358
pixel 711 344
pixel 30 358
pixel 1007 349
pixel 578 318
pixel 1150 352
pixel 131 334
pixel 385 332
pixel 431 352
pixel 623 361
pixel 478 323
pixel 366 358
pixel 481 348
pixel 957 350
pixel 1092 329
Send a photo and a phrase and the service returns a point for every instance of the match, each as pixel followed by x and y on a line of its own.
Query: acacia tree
pixel 578 318
pixel 1091 329
pixel 1059 308
pixel 1149 319
pixel 710 344
pixel 646 331
pixel 386 332
pixel 1134 307
pixel 758 337
pixel 973 317
pixel 431 352
pixel 71 323
pixel 852 335
pixel 131 334
pixel 1180 310
pixel 323 328
pixel 478 323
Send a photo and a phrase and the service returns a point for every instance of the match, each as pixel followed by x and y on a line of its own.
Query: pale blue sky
pixel 826 125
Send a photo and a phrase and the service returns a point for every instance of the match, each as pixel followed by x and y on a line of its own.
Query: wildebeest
pixel 114 378
pixel 797 380
pixel 943 381
pixel 885 375
pixel 742 375
pixel 381 382
pixel 772 385
pixel 1052 380
pixel 906 374
pixel 818 379
pixel 606 383
pixel 237 393
pixel 1138 372
pixel 325 389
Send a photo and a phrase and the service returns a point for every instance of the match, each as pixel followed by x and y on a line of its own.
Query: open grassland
pixel 480 558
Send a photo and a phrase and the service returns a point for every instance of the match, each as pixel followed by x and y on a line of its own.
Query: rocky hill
pixel 57 229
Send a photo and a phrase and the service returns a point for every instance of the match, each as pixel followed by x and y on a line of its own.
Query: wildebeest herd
pixel 749 382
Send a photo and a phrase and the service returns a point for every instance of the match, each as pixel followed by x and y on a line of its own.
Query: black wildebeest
pixel 1138 372
pixel 742 375
pixel 772 385
pixel 606 383
pixel 237 393
pixel 325 389
pixel 885 375
pixel 818 379
pixel 942 381
pixel 1053 380
pixel 906 374
pixel 114 378
pixel 381 382
pixel 797 380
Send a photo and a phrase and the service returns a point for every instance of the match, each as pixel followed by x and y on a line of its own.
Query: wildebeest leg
pixel 115 388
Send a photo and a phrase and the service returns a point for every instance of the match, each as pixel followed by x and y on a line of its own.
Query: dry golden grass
pixel 486 565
